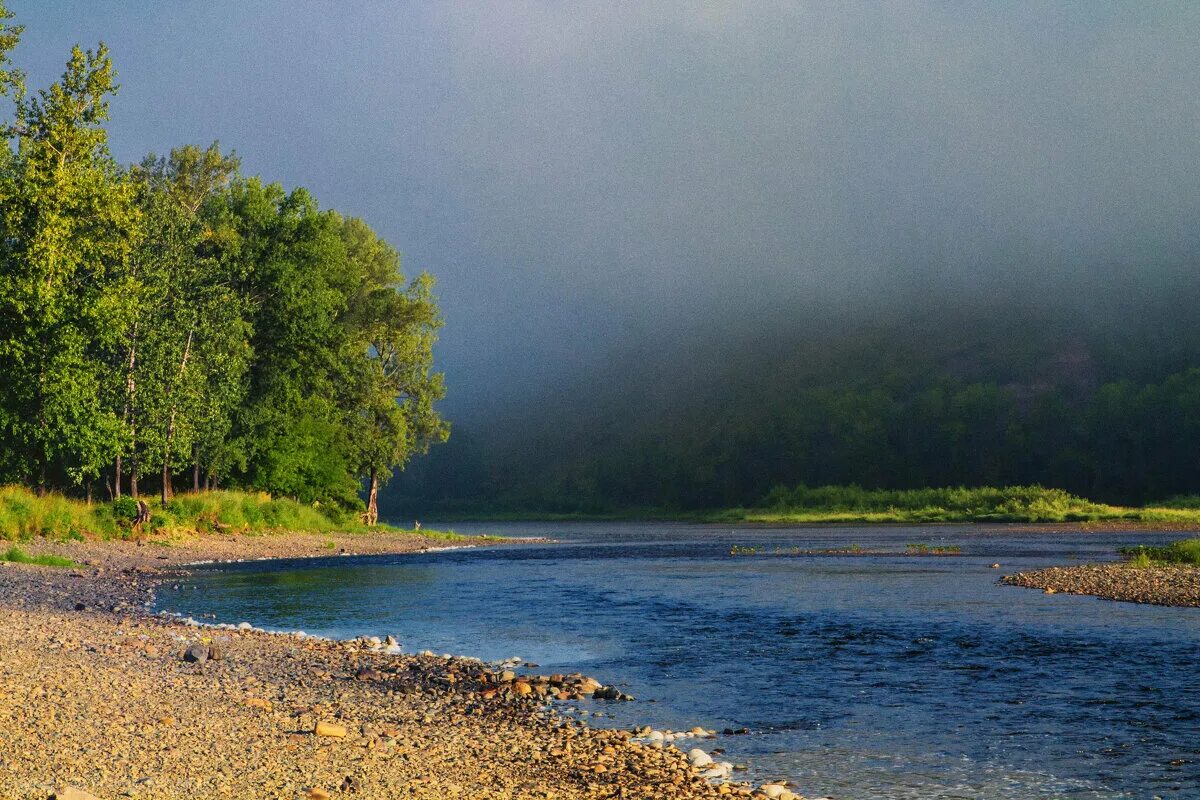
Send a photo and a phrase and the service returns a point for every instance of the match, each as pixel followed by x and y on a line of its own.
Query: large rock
pixel 699 758
pixel 196 654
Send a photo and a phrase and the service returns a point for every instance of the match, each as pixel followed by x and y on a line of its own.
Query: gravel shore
pixel 99 695
pixel 1163 586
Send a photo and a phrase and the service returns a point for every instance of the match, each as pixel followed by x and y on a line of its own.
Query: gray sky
pixel 575 173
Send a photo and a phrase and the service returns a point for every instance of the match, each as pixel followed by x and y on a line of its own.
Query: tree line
pixel 176 316
pixel 1103 405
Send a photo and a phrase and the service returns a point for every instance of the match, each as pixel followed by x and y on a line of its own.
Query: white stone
pixel 699 758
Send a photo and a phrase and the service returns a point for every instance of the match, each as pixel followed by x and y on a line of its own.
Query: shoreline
pixel 1177 586
pixel 1085 526
pixel 97 694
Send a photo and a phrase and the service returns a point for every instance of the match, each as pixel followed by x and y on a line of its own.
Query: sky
pixel 580 175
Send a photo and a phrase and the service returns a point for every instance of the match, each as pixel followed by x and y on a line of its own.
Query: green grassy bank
pixel 1185 552
pixel 24 515
pixel 804 504
pixel 853 504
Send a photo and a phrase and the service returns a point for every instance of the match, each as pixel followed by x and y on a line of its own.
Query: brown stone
pixel 329 729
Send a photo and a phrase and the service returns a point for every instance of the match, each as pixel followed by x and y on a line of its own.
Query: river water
pixel 858 676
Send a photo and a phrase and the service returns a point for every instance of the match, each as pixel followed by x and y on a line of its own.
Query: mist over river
pixel 882 676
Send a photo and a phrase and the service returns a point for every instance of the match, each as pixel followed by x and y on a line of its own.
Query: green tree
pixel 391 331
pixel 187 350
pixel 67 226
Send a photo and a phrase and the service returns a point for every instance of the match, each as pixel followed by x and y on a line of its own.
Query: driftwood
pixel 143 516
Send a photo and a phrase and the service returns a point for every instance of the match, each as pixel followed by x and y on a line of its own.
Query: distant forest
pixel 1098 396
pixel 177 324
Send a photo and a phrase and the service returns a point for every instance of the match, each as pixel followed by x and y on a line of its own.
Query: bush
pixel 1185 552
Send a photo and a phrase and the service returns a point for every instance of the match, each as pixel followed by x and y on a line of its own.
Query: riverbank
pixel 854 505
pixel 182 549
pixel 97 693
pixel 1156 585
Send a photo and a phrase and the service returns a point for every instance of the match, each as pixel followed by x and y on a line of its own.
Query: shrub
pixel 1183 552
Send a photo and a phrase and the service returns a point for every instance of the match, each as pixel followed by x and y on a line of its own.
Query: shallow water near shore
pixel 880 676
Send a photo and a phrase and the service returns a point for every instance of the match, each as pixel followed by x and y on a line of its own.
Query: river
pixel 858 676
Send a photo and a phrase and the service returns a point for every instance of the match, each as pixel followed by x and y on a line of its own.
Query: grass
pixel 922 549
pixel 1185 552
pixel 24 515
pixel 853 504
pixel 18 556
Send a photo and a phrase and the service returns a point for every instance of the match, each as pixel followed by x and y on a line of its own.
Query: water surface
pixel 858 677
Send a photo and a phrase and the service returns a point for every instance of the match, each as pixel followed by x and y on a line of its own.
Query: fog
pixel 579 176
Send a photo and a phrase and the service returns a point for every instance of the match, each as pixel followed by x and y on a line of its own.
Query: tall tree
pixel 67 226
pixel 392 329
pixel 189 329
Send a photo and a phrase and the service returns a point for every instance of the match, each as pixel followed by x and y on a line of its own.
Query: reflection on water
pixel 884 676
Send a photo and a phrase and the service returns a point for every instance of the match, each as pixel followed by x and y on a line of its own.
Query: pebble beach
pixel 101 698
pixel 1156 585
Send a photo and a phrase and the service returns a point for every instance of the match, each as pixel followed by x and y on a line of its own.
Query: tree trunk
pixel 166 481
pixel 89 493
pixel 195 469
pixel 372 516
pixel 130 386
pixel 133 480
pixel 166 464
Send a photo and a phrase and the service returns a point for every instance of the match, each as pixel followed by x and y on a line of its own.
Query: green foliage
pixel 177 314
pixel 1185 552
pixel 1012 503
pixel 24 515
pixel 240 511
pixel 124 508
pixel 1189 501
pixel 18 556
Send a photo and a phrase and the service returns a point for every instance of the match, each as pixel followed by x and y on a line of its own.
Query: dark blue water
pixel 859 677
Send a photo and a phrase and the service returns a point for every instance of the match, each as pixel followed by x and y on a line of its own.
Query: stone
pixel 329 729
pixel 390 641
pixel 699 758
pixel 589 685
pixel 72 793
pixel 258 702
pixel 318 794
pixel 196 654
